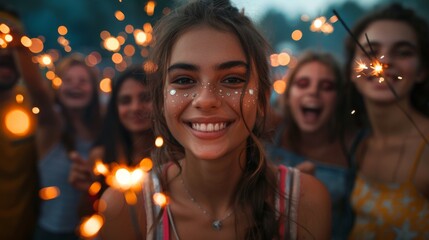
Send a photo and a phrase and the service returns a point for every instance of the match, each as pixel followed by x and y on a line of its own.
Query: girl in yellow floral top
pixel 391 194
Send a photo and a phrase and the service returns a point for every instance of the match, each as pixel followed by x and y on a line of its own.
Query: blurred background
pixel 113 34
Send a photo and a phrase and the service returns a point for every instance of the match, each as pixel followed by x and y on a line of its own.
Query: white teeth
pixel 208 127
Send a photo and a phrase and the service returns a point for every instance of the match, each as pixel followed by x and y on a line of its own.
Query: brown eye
pixel 145 97
pixel 302 82
pixel 327 85
pixel 124 100
pixel 183 81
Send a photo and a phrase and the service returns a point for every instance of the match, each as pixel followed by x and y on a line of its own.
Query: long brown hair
pixel 256 189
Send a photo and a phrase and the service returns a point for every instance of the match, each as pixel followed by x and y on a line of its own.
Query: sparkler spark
pixel 360 66
pixel 377 68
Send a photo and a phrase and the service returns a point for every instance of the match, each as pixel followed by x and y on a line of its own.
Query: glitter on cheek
pixel 172 92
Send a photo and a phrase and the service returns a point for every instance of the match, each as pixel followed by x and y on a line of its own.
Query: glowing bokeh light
pixel 121 39
pixel 130 198
pixel 147 27
pixel 283 59
pixel 62 30
pixel 35 110
pixel 46 60
pixel 117 58
pixel 111 44
pixel 120 15
pixel 100 168
pixel 17 122
pixel 274 60
pixel 123 178
pixel 333 19
pixel 149 66
pixel 19 98
pixel 159 141
pixel 305 18
pixel 104 34
pixel 8 38
pixel 150 8
pixel 67 48
pixel 48 193
pixel 90 227
pixel 4 28
pixel 129 29
pixel 146 164
pixel 139 36
pixel 36 45
pixel 50 75
pixel 26 41
pixel 160 199
pixel 94 189
pixel 56 82
pixel 106 85
pixel 279 86
pixel 296 35
pixel 129 50
pixel 136 176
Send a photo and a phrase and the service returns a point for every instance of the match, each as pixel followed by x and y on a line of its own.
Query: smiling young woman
pixel 212 84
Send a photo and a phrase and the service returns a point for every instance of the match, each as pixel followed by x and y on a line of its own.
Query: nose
pixel 135 105
pixel 314 89
pixel 206 98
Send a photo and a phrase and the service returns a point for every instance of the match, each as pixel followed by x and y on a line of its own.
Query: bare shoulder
pixel 314 211
pixel 121 218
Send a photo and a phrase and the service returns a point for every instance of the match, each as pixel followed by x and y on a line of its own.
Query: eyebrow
pixel 183 66
pixel 232 64
pixel 222 66
pixel 395 45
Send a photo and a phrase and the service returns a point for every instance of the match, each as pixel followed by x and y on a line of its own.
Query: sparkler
pixel 128 180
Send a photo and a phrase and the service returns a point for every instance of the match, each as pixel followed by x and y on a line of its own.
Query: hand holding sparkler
pixel 80 176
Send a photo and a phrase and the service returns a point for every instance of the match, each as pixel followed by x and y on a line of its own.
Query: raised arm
pixel 40 92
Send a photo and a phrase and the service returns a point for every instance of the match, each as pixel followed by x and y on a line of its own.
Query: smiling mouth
pixel 311 113
pixel 209 127
pixel 74 94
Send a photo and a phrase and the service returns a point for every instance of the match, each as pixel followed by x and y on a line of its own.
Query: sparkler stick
pixel 351 34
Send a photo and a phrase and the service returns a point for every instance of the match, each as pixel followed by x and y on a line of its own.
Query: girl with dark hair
pixel 126 137
pixel 391 194
pixel 127 134
pixel 210 105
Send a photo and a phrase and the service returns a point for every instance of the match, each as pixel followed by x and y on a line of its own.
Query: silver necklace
pixel 216 223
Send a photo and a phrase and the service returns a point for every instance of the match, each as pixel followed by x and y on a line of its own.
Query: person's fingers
pixel 307 167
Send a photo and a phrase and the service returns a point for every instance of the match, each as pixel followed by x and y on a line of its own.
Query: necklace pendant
pixel 217 225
